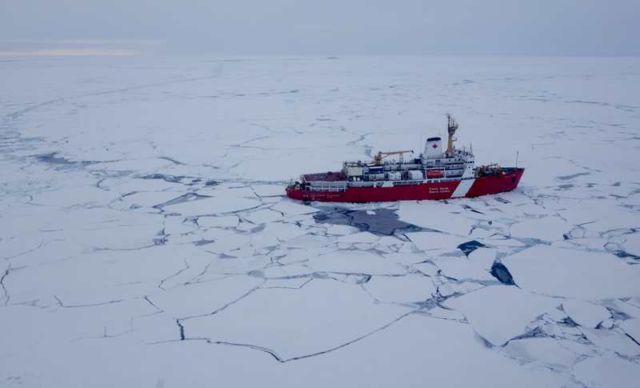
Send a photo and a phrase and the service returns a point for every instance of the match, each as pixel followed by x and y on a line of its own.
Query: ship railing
pixel 408 182
pixel 328 186
pixel 363 183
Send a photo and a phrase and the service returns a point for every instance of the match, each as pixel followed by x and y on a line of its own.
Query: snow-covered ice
pixel 573 273
pixel 585 313
pixel 501 313
pixel 145 239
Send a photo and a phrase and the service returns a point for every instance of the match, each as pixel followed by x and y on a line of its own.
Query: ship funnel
pixel 433 148
pixel 452 127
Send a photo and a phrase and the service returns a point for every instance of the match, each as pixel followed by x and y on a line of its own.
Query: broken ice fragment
pixel 584 313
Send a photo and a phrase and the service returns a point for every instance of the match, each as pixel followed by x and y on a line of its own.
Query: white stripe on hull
pixel 463 188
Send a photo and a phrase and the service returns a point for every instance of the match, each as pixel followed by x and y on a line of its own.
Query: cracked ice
pixel 145 239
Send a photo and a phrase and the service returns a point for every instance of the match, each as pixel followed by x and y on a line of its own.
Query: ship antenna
pixel 452 127
pixel 517 154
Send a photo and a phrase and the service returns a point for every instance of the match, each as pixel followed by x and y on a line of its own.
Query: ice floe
pixel 585 313
pixel 573 273
pixel 500 313
pixel 295 323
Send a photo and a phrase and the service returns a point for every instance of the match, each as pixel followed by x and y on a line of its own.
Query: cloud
pixel 76 48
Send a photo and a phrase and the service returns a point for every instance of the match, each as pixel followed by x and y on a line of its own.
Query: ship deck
pixel 330 176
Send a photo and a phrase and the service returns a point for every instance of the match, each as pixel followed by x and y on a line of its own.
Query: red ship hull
pixel 474 187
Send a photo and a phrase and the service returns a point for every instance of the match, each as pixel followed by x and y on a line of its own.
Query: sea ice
pixel 585 313
pixel 436 241
pixel 606 371
pixel 544 350
pixel 401 289
pixel 573 273
pixel 143 201
pixel 294 323
pixel 441 216
pixel 500 313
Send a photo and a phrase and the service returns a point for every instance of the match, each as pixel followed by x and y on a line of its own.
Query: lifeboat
pixel 432 174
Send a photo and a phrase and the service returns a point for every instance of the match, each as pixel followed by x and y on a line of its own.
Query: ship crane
pixel 381 155
pixel 452 127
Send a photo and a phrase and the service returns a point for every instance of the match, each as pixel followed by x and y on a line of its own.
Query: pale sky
pixel 327 27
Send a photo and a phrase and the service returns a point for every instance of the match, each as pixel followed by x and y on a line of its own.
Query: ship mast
pixel 452 127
